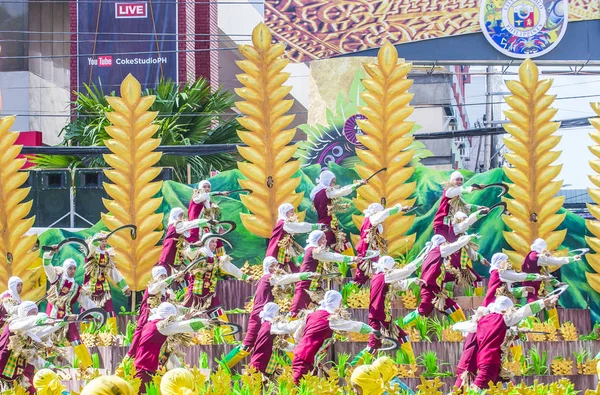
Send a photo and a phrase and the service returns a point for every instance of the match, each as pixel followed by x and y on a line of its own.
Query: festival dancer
pixel 282 245
pixel 273 278
pixel 172 256
pixel 316 254
pixel 160 326
pixel 201 206
pixel 21 344
pixel 262 358
pixel 99 268
pixel 63 293
pixel 451 203
pixel 380 318
pixel 156 293
pixel 491 335
pixel 315 334
pixel 202 281
pixel 500 284
pixel 433 274
pixel 325 200
pixel 10 299
pixel 461 270
pixel 371 237
pixel 537 261
pixel 387 368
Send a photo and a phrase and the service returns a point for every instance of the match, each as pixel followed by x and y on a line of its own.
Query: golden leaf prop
pixel 132 191
pixel 16 257
pixel 269 170
pixel 594 226
pixel 533 205
pixel 387 140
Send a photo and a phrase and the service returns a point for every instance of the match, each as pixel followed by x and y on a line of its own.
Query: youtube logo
pixel 105 61
pixel 131 10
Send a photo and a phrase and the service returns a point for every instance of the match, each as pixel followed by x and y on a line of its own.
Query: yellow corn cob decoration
pixel 594 226
pixel 132 158
pixel 16 257
pixel 533 205
pixel 386 140
pixel 269 169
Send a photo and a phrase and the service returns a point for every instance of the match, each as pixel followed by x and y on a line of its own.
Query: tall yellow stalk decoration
pixel 533 205
pixel 269 170
pixel 132 158
pixel 594 226
pixel 16 257
pixel 386 139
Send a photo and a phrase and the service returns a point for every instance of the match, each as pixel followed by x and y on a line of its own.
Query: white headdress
pixel 267 263
pixel 323 182
pixel 497 260
pixel 202 183
pixel 68 263
pixel 539 245
pixel 13 282
pixel 163 311
pixel 313 238
pixel 384 263
pixel 501 304
pixel 455 175
pixel 283 210
pixel 373 208
pixel 158 271
pixel 174 215
pixel 331 302
pixel 269 311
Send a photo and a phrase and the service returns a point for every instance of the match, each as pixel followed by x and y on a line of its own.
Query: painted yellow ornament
pixel 386 140
pixel 132 191
pixel 269 169
pixel 534 204
pixel 594 225
pixel 16 255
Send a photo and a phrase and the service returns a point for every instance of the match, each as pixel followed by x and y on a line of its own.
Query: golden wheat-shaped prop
pixel 16 255
pixel 594 226
pixel 269 170
pixel 386 140
pixel 533 205
pixel 132 158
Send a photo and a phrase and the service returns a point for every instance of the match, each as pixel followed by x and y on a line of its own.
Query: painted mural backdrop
pixel 337 141
pixel 323 29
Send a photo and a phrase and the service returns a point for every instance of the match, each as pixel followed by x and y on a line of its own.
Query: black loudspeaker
pixel 51 199
pixel 89 191
pixel 88 196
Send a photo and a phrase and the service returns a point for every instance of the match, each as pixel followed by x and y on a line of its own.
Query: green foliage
pixel 538 361
pixel 95 361
pixel 429 361
pixel 203 360
pixel 187 115
pixel 582 356
pixel 348 290
pixel 129 331
pixel 423 328
pixel 594 334
pixel 402 357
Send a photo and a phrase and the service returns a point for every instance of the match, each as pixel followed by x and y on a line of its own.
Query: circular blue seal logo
pixel 524 28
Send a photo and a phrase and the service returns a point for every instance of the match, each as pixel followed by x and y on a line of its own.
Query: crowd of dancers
pixel 195 257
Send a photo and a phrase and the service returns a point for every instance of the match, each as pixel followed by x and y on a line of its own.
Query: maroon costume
pixel 22 367
pixel 302 299
pixel 433 273
pixel 263 348
pixel 273 249
pixel 148 302
pixel 361 250
pixel 491 331
pixel 530 265
pixel 171 256
pixel 441 225
pixel 315 334
pixel 148 352
pixel 378 313
pixel 468 358
pixel 262 296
